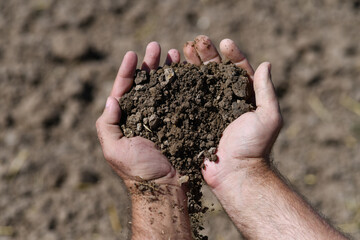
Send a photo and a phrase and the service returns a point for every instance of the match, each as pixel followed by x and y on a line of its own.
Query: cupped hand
pixel 133 159
pixel 246 143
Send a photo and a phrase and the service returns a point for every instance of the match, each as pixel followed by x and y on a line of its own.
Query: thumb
pixel 112 112
pixel 266 101
pixel 209 172
pixel 108 123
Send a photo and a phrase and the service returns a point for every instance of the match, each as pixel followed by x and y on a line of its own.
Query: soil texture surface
pixel 58 61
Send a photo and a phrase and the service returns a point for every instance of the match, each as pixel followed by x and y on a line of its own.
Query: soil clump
pixel 184 109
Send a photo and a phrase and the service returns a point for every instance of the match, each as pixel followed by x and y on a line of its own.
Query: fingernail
pixel 108 102
pixel 204 164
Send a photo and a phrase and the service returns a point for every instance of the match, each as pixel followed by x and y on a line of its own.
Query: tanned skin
pixel 252 192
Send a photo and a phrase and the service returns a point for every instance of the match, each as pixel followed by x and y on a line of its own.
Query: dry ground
pixel 58 60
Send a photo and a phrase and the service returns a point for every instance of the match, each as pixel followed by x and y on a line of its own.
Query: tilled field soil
pixel 58 60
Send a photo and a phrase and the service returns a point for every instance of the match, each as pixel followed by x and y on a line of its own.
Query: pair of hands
pixel 246 142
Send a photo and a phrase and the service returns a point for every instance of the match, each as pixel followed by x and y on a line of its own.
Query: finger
pixel 231 52
pixel 125 75
pixel 152 57
pixel 107 125
pixel 190 53
pixel 206 49
pixel 266 100
pixel 173 56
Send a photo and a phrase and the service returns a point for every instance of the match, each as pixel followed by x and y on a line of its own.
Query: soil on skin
pixel 184 109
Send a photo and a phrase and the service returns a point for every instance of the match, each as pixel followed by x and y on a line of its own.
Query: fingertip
pixel 112 111
pixel 173 56
pixel 188 48
pixel 259 73
pixel 131 54
pixel 188 43
pixel 153 43
pixel 202 42
pixel 190 53
pixel 264 89
pixel 131 58
pixel 128 64
pixel 209 171
pixel 206 49
pixel 153 49
pixel 108 102
pixel 225 46
pixel 108 123
pixel 152 56
pixel 226 40
pixel 263 70
pixel 267 65
pixel 124 77
pixel 112 104
pixel 269 69
pixel 231 52
pixel 209 164
pixel 205 166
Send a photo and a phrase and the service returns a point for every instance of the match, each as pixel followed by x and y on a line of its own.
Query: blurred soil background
pixel 58 60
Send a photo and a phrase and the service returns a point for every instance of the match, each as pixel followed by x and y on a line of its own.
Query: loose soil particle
pixel 184 109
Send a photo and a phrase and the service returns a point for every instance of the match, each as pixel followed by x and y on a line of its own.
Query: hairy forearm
pixel 263 206
pixel 160 213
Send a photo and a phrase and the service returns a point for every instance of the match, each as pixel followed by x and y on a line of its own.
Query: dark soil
pixel 58 60
pixel 184 109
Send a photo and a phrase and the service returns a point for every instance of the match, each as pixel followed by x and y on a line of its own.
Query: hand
pixel 248 140
pixel 135 158
pixel 255 197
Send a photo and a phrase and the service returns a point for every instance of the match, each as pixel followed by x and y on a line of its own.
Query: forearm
pixel 263 206
pixel 160 213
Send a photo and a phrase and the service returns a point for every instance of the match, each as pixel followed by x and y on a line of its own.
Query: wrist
pixel 160 211
pixel 137 185
pixel 240 174
pixel 169 178
pixel 147 190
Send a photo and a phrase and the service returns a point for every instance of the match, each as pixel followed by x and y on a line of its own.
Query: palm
pixel 133 158
pixel 138 158
pixel 250 136
pixel 246 137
